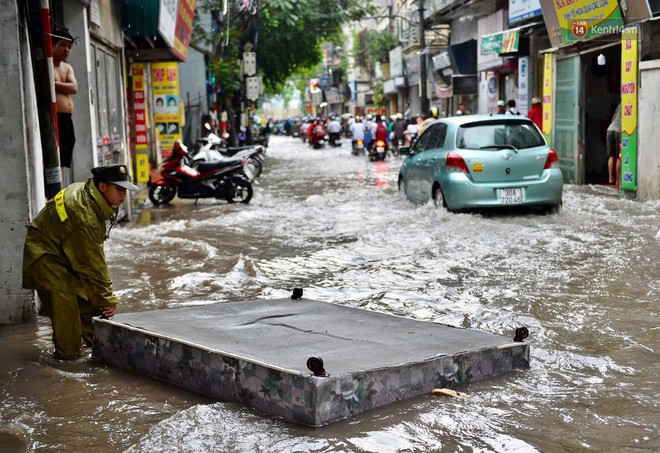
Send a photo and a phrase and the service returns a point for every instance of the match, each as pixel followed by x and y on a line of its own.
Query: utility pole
pixel 45 90
pixel 424 100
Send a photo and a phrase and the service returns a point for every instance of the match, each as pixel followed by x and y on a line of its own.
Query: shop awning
pixel 157 29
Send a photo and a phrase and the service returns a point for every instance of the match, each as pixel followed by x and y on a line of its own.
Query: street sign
pixel 252 88
pixel 249 63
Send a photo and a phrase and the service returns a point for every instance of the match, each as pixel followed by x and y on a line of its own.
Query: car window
pixel 433 137
pixel 422 142
pixel 437 136
pixel 497 135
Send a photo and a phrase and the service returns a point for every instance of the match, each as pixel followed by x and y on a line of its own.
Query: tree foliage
pixel 288 35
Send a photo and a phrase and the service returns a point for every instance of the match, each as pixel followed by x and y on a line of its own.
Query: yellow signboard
pixel 547 96
pixel 629 86
pixel 167 117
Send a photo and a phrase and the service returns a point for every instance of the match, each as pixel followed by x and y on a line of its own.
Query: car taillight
pixel 455 163
pixel 552 161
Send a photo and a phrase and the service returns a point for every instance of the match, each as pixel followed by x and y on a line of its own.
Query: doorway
pixel 602 88
pixel 107 99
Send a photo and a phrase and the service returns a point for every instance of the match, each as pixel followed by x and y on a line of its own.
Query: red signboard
pixel 183 28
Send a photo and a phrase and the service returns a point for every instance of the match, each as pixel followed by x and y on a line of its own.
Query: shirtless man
pixel 65 86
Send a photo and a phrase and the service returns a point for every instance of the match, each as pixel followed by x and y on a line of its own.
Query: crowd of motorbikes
pixel 213 170
pixel 369 136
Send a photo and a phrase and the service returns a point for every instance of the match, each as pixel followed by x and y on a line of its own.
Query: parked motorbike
pixel 378 151
pixel 222 179
pixel 211 150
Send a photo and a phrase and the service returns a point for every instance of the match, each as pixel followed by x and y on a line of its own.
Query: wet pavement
pixel 585 282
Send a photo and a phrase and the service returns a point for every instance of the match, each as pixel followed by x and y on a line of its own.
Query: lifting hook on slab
pixel 315 365
pixel 297 293
pixel 521 334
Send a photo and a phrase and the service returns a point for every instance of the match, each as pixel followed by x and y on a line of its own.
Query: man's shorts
pixel 613 141
pixel 66 137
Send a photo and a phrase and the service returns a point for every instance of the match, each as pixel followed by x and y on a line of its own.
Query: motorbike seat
pixel 231 150
pixel 203 167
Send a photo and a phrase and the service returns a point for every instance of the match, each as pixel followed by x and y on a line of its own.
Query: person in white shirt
pixel 334 126
pixel 334 132
pixel 357 130
pixel 511 108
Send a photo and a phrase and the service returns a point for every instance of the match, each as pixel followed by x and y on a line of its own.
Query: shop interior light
pixel 601 60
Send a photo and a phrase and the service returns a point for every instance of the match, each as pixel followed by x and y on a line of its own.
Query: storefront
pixel 591 68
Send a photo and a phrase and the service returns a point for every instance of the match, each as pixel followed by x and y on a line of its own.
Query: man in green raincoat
pixel 64 261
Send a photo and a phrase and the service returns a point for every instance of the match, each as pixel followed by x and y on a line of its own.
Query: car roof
pixel 461 120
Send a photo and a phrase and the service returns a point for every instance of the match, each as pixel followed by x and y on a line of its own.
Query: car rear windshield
pixel 499 135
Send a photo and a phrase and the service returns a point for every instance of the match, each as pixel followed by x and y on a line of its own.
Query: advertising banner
pixel 629 60
pixel 140 124
pixel 167 20
pixel 569 21
pixel 183 28
pixel 520 10
pixel 167 117
pixel 547 97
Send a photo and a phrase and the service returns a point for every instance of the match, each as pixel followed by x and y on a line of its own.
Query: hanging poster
pixel 629 57
pixel 167 119
pixel 140 124
pixel 183 28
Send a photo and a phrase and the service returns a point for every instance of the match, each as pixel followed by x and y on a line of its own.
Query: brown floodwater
pixel 585 281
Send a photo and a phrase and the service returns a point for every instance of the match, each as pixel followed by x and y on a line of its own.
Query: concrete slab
pixel 257 352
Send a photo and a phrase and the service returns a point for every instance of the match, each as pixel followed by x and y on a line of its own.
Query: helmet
pixel 433 113
pixel 358 118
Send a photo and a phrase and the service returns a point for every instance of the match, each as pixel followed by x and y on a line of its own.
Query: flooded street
pixel 585 282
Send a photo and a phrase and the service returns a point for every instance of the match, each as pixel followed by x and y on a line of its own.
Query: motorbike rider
pixel 334 131
pixel 433 115
pixel 411 130
pixel 357 130
pixel 380 135
pixel 318 132
pixel 312 123
pixel 399 130
pixel 368 131
pixel 381 131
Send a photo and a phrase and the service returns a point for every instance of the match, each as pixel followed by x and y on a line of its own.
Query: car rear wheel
pixel 552 208
pixel 438 197
pixel 402 187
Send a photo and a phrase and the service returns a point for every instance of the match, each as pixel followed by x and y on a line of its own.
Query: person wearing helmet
pixel 357 130
pixel 433 115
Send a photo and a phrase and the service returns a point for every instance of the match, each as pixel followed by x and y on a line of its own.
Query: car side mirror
pixel 406 151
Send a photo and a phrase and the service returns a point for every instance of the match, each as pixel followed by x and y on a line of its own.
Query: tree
pixel 373 46
pixel 286 34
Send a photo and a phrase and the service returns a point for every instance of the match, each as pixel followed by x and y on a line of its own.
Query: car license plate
pixel 511 196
